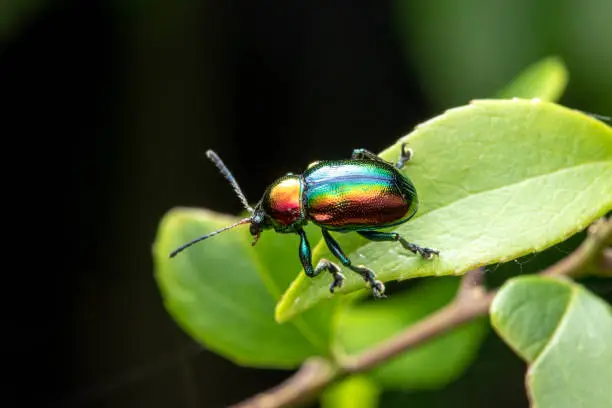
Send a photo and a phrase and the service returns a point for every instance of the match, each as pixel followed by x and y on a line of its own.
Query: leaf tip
pixel 546 79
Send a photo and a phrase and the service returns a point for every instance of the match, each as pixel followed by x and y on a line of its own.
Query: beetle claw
pixel 337 283
pixel 428 253
pixel 378 289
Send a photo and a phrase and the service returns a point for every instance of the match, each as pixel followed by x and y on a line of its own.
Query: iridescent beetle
pixel 363 195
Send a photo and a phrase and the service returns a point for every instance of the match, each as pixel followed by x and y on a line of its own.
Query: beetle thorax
pixel 282 202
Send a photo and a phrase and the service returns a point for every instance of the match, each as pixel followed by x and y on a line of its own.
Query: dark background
pixel 109 107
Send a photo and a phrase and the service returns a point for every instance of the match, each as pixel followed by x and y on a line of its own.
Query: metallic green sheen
pixel 351 195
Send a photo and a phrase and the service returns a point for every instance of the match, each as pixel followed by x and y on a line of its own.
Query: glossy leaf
pixel 497 179
pixel 219 295
pixel 564 332
pixel 430 366
pixel 545 79
pixel 355 392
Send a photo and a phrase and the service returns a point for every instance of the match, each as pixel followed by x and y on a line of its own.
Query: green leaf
pixel 278 264
pixel 545 79
pixel 497 179
pixel 221 295
pixel 564 332
pixel 355 392
pixel 432 365
pixel 459 52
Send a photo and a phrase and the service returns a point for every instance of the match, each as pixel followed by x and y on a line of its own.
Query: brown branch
pixel 314 375
pixel 587 257
pixel 471 302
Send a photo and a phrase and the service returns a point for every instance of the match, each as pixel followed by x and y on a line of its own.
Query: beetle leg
pixel 366 154
pixel 324 264
pixel 405 156
pixel 426 253
pixel 378 289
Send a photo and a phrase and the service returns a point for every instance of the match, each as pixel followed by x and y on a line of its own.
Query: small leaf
pixel 355 392
pixel 430 366
pixel 216 293
pixel 545 79
pixel 564 332
pixel 496 179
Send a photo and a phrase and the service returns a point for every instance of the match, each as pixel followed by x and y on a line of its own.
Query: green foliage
pixel 355 392
pixel 433 365
pixel 545 80
pixel 497 179
pixel 223 294
pixel 462 50
pixel 563 331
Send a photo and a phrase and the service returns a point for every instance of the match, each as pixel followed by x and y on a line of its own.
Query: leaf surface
pixel 564 332
pixel 218 293
pixel 497 179
pixel 355 392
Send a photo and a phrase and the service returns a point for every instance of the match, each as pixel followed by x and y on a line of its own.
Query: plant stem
pixel 586 258
pixel 471 302
pixel 313 376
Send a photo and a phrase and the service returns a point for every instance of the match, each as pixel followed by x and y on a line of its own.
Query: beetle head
pixel 259 222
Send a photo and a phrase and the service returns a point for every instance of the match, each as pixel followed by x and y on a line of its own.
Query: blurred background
pixel 109 107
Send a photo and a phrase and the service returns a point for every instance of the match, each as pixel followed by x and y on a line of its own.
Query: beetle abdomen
pixel 357 195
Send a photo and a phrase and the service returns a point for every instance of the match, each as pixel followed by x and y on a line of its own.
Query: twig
pixel 587 256
pixel 471 302
pixel 314 375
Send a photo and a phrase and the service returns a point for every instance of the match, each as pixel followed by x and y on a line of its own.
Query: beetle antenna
pixel 211 234
pixel 229 177
pixel 601 117
pixel 597 116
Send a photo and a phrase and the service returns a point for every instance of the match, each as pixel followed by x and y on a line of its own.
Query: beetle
pixel 363 194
